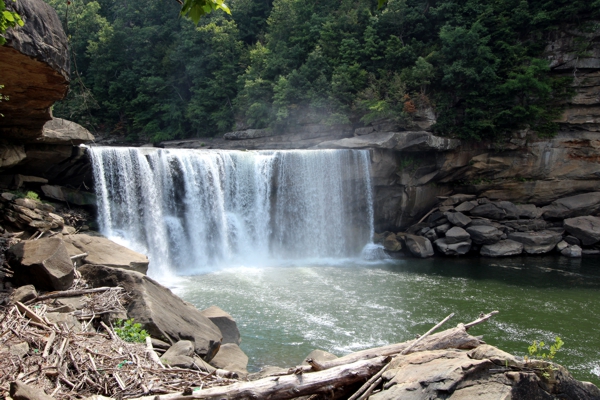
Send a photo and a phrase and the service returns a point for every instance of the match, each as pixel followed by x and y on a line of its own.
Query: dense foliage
pixel 141 70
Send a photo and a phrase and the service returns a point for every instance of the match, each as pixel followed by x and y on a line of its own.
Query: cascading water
pixel 194 210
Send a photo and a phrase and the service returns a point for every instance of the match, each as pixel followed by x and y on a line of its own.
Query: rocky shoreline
pixel 463 224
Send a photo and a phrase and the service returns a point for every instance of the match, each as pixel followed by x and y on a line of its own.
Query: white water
pixel 195 211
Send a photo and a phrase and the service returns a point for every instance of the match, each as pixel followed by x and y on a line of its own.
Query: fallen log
pixel 288 386
pixel 71 293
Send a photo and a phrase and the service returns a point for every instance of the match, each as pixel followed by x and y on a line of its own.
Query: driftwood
pixel 290 386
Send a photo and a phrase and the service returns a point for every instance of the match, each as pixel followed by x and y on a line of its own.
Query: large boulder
pixel 489 210
pixel 62 131
pixel 231 358
pixel 225 323
pixel 503 248
pixel 162 314
pixel 586 229
pixel 460 375
pixel 573 206
pixel 457 235
pixel 44 263
pixel 457 218
pixel 536 242
pixel 419 246
pixel 484 234
pixel 102 251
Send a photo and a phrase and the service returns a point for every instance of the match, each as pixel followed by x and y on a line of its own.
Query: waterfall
pixel 195 210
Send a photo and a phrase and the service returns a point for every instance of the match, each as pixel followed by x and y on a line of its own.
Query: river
pixel 285 311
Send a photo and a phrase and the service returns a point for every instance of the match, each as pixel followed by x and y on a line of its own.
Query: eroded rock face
pixel 35 69
pixel 225 323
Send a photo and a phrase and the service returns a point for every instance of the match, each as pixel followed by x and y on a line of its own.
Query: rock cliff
pixel 35 70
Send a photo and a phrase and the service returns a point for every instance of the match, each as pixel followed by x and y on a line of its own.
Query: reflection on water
pixel 284 312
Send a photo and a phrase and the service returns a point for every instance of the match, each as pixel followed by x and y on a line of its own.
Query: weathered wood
pixel 78 256
pixel 151 353
pixel 72 293
pixel 289 386
pixel 456 338
pixel 27 311
pixel 481 319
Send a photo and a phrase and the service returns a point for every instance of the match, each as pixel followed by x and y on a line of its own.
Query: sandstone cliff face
pixel 35 70
pixel 575 51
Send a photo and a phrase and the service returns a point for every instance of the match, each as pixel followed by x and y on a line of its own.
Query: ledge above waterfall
pixel 399 141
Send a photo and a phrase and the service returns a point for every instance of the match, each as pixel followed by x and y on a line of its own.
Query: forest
pixel 142 72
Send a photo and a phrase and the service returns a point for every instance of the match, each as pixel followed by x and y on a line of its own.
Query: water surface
pixel 286 310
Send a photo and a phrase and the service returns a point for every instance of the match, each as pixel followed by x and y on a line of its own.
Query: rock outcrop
pixel 35 70
pixel 162 314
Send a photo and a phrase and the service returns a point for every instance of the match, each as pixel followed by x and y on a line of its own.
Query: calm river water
pixel 285 311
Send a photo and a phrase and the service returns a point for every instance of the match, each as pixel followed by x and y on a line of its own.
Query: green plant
pixel 536 349
pixel 32 195
pixel 130 331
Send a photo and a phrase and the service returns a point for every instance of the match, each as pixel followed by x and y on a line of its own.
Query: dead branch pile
pixel 67 363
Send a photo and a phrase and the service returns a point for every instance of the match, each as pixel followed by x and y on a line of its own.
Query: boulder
pixel 44 263
pixel 457 218
pixel 62 131
pixel 11 154
pixel 586 229
pixel 431 235
pixel 453 249
pixel 536 242
pixel 225 323
pixel 23 293
pixel 319 356
pixel 442 229
pixel 503 248
pixel 162 314
pixel 231 358
pixel 419 246
pixel 21 391
pixel 529 211
pixel 181 348
pixel 572 251
pixel 390 243
pixel 102 251
pixel 466 206
pixel 489 210
pixel 573 206
pixel 457 235
pixel 484 234
pixel 512 212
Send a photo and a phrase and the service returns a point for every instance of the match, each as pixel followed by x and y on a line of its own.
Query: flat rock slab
pixel 457 218
pixel 536 242
pixel 573 206
pixel 102 251
pixel 586 229
pixel 484 234
pixel 490 211
pixel 162 314
pixel 503 248
pixel 44 263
